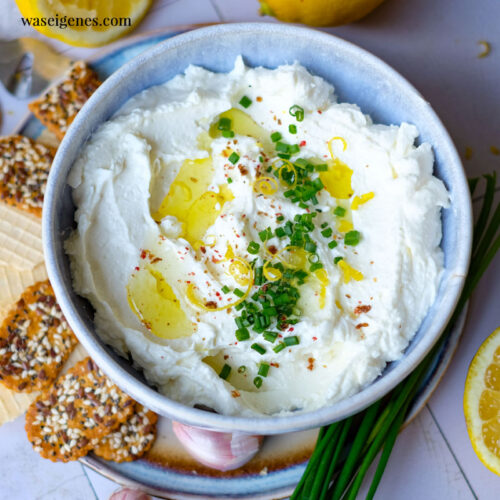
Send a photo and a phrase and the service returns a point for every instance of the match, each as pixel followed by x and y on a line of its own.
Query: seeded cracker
pixel 35 341
pixel 57 108
pixel 71 417
pixel 24 168
pixel 132 439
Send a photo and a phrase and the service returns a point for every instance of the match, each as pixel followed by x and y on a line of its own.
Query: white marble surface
pixel 434 44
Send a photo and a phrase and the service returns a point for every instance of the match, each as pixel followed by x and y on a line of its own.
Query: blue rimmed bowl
pixel 358 77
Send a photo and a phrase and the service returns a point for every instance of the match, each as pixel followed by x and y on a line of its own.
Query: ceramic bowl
pixel 358 77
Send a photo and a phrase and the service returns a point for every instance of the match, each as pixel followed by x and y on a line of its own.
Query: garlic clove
pixel 219 450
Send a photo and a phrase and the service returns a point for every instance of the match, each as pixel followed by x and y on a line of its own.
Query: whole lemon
pixel 318 12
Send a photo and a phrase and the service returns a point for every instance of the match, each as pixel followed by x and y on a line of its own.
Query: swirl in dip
pixel 256 246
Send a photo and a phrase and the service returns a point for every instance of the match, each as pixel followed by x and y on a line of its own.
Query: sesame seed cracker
pixel 71 418
pixel 132 439
pixel 35 340
pixel 24 168
pixel 57 108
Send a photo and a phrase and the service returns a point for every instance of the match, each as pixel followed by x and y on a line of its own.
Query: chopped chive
pixel 239 307
pixel 279 347
pixel 263 369
pixel 270 336
pixel 337 259
pixel 321 168
pixel 261 159
pixel 257 347
pixel 225 371
pixel 253 247
pixel 292 129
pixel 280 232
pixel 282 147
pixel 340 211
pixel 327 232
pixel 225 289
pixel 293 149
pixel 224 124
pixel 324 225
pixel 301 163
pixel 313 258
pixel 284 156
pixel 315 266
pixel 234 157
pixel 245 101
pixel 332 244
pixel 317 184
pixel 280 218
pixel 352 238
pixel 263 235
pixel 242 334
pixel 257 381
pixel 275 136
pixel 297 111
pixel 310 247
pixel 238 292
pixel 289 193
pixel 229 180
pixel 293 340
pixel 242 369
pixel 228 134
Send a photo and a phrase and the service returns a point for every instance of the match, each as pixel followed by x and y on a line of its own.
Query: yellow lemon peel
pixel 271 273
pixel 360 200
pixel 265 185
pixel 344 226
pixel 336 138
pixel 486 49
pixel 322 277
pixel 349 272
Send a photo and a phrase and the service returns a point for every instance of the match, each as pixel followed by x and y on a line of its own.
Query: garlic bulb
pixel 218 450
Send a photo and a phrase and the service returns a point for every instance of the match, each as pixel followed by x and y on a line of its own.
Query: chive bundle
pixel 345 450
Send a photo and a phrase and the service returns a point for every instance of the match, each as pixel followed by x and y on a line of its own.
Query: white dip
pixel 162 240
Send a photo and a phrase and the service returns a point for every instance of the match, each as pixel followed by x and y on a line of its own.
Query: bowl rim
pixel 262 424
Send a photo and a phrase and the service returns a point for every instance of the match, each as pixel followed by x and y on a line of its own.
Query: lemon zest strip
pixel 265 185
pixel 486 49
pixel 349 272
pixel 271 273
pixel 360 200
pixel 336 138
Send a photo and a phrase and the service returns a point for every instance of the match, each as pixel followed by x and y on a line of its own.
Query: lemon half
pixel 95 22
pixel 482 402
pixel 318 12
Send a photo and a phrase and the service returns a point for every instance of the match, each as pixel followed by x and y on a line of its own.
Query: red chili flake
pixel 137 268
pixel 347 295
pixel 272 249
pixel 315 338
pixel 235 394
pixel 211 304
pixel 143 254
pixel 188 282
pixel 362 309
pixel 291 329
pixel 242 169
pixel 361 325
pixel 226 356
pixel 237 236
pixel 276 365
pixel 319 111
pixel 258 98
pixel 310 366
pixel 302 144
